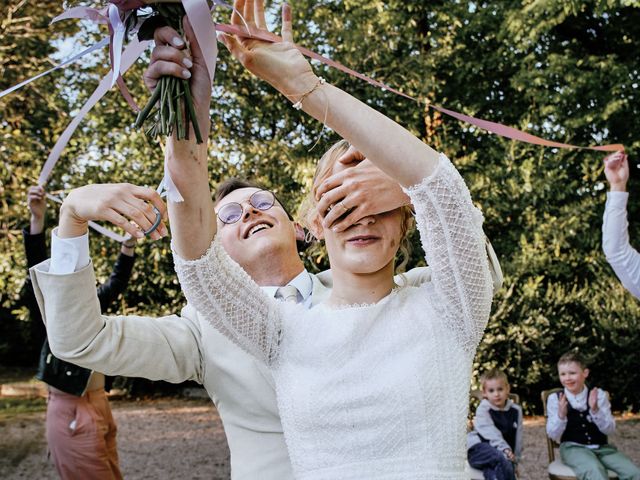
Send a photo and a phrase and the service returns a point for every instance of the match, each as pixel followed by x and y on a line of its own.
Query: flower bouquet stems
pixel 170 108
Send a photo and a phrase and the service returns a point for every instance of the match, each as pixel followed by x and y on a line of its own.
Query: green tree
pixel 563 70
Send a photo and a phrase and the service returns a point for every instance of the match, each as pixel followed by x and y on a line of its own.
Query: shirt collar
pixel 302 282
pixel 578 400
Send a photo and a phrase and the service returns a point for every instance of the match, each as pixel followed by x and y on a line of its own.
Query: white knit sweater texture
pixel 369 391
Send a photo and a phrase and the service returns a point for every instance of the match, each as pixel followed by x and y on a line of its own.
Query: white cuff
pixel 68 254
pixel 617 199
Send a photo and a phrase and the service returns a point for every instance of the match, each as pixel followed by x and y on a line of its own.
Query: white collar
pixel 579 400
pixel 302 282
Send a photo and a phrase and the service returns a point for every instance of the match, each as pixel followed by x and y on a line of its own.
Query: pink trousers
pixel 81 435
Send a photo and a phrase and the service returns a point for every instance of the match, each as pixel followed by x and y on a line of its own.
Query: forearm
pixel 193 223
pixel 36 225
pixel 603 417
pixel 624 259
pixel 228 298
pixel 389 146
pixel 555 424
pixel 165 348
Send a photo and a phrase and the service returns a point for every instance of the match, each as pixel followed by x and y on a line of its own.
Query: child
pixel 495 444
pixel 579 418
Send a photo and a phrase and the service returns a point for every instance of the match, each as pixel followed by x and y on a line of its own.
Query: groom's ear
pixel 300 233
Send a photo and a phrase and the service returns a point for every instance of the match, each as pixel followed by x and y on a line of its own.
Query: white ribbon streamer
pixel 92 48
pixel 118 40
pixel 131 54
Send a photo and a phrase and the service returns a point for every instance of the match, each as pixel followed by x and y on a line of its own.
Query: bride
pixel 374 382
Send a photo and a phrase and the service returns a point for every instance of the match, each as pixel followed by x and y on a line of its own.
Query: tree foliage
pixel 565 70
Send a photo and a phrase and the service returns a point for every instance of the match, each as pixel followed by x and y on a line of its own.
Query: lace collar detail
pixel 354 306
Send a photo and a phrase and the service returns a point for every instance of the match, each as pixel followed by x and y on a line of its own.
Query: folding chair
pixel 556 469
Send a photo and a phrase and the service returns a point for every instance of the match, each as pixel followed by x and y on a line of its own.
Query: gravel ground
pixel 177 438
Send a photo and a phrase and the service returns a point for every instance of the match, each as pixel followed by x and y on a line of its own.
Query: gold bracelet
pixel 298 104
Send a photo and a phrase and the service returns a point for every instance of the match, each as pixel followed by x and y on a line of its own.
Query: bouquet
pixel 170 108
pixel 171 105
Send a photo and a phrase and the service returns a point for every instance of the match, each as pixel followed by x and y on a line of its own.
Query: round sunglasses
pixel 232 212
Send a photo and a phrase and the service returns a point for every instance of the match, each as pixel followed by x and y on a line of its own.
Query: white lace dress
pixel 369 391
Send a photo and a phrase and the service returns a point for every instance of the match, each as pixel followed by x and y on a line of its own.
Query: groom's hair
pixel 234 183
pixel 231 184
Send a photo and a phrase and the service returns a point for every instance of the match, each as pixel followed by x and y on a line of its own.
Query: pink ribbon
pixel 86 51
pixel 97 15
pixel 131 54
pixel 493 127
pixel 199 16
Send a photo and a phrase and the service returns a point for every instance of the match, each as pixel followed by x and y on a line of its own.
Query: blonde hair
pixel 493 374
pixel 573 357
pixel 307 214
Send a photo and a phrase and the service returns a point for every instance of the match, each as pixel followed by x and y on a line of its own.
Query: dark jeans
pixel 492 462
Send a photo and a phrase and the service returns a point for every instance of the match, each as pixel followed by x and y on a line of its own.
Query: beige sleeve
pixel 164 348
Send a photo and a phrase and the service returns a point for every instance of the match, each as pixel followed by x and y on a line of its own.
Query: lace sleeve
pixel 454 245
pixel 227 297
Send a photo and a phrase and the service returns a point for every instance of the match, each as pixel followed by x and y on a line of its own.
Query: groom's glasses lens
pixel 232 212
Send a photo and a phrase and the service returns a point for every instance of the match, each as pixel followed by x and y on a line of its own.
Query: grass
pixel 11 407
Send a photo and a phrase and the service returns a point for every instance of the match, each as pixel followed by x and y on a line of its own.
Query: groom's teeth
pixel 260 226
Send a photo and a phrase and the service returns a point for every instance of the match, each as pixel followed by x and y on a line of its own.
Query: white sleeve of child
pixel 555 424
pixel 603 418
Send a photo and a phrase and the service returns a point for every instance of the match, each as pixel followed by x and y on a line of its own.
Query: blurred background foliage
pixel 565 70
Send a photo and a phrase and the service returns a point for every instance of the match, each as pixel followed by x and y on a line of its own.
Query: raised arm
pixel 450 226
pixel 193 223
pixel 379 138
pixel 120 275
pixel 35 248
pixel 622 257
pixel 166 348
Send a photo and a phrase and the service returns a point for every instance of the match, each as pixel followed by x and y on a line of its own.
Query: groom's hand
pixel 127 206
pixel 356 190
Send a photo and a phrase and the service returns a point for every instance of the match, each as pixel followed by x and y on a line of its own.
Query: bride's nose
pixel 368 220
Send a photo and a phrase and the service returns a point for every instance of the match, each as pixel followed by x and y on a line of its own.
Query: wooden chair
pixel 556 469
pixel 477 394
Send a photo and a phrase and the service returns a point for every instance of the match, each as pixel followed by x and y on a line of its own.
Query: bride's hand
pixel 126 206
pixel 279 63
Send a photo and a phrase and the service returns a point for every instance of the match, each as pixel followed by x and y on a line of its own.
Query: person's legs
pixel 77 448
pixel 107 428
pixel 583 461
pixel 494 465
pixel 618 462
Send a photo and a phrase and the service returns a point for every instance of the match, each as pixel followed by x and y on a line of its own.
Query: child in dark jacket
pixel 579 419
pixel 495 443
